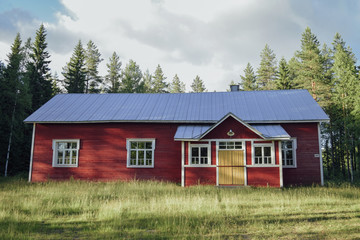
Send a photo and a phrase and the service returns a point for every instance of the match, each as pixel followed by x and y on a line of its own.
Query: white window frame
pixel 128 148
pixel 208 146
pixel 233 149
pixel 294 147
pixel 262 145
pixel 55 152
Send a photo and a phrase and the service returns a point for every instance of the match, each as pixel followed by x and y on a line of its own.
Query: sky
pixel 210 38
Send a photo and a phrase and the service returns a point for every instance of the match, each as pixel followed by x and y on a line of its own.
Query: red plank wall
pixel 308 166
pixel 103 154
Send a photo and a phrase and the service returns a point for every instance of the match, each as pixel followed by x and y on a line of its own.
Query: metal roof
pixel 250 106
pixel 271 131
pixel 196 132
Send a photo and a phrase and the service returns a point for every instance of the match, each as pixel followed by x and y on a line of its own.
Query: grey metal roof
pixel 271 131
pixel 250 106
pixel 195 132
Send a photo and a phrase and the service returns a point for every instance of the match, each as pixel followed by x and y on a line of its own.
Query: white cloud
pixel 210 38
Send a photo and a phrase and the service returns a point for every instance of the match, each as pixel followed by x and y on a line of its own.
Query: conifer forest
pixel 329 72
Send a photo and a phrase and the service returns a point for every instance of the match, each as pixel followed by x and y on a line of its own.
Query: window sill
pixel 65 166
pixel 140 166
pixel 257 165
pixel 200 165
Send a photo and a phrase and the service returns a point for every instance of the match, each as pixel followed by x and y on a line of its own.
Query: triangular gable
pixel 231 122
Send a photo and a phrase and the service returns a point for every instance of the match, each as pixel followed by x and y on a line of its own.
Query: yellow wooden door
pixel 231 167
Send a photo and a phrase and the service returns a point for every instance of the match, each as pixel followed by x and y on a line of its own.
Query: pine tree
pixel 283 82
pixel 177 86
pixel 159 84
pixel 148 82
pixel 310 69
pixel 55 83
pixel 131 81
pixel 114 74
pixel 38 70
pixel 266 73
pixel 75 71
pixel 15 106
pixel 198 85
pixel 248 81
pixel 92 60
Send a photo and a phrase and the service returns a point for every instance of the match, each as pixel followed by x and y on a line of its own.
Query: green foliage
pixel 158 81
pixel 177 86
pixel 55 84
pixel 38 70
pixel 158 210
pixel 284 80
pixel 148 81
pixel 75 71
pixel 92 59
pixel 248 81
pixel 114 74
pixel 132 79
pixel 15 106
pixel 198 85
pixel 310 69
pixel 267 72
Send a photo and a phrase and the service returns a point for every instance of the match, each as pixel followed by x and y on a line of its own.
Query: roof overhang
pixel 198 132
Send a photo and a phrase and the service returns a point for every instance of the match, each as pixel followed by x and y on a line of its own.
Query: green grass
pixel 156 210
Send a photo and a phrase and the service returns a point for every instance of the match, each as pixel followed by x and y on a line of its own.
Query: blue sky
pixel 210 38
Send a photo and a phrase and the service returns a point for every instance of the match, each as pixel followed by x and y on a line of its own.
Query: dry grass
pixel 155 210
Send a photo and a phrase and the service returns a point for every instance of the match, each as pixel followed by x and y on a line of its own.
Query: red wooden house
pixel 259 138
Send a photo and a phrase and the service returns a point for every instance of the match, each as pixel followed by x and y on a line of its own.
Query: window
pixel 199 154
pixel 140 153
pixel 66 153
pixel 263 154
pixel 288 153
pixel 230 145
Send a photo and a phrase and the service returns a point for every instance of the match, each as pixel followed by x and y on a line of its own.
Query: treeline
pixel 328 72
pixel 332 78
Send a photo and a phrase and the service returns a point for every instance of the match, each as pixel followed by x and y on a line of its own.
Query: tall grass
pixel 157 210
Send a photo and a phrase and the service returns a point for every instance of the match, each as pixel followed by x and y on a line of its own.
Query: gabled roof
pixel 210 107
pixel 198 132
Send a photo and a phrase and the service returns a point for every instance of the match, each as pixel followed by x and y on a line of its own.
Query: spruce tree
pixel 75 71
pixel 198 85
pixel 248 81
pixel 92 60
pixel 266 73
pixel 159 84
pixel 114 74
pixel 38 70
pixel 148 82
pixel 55 83
pixel 15 106
pixel 283 81
pixel 177 86
pixel 131 81
pixel 310 69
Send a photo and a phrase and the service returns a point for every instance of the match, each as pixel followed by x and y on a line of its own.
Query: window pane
pixel 67 157
pixel 222 145
pixel 203 160
pixel 141 155
pixel 258 151
pixel 141 145
pixel 133 145
pixel 238 145
pixel 61 145
pixel 289 144
pixel 267 151
pixel 195 152
pixel 73 157
pixel 60 157
pixel 74 145
pixel 230 145
pixel 148 145
pixel 204 152
pixel 133 158
pixel 148 157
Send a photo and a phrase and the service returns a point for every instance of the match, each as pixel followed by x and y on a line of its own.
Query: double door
pixel 231 167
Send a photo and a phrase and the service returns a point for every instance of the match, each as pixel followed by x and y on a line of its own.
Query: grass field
pixel 155 210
